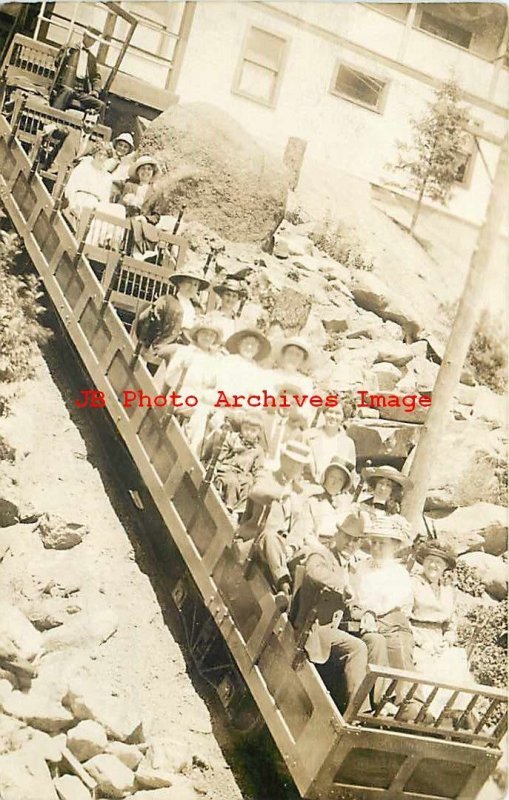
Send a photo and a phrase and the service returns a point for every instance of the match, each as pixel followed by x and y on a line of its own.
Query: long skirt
pixel 441 662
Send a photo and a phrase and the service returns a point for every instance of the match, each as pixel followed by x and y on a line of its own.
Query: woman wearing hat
pixel 230 292
pixel 386 485
pixel 189 282
pixel 383 595
pixel 139 200
pixel 433 619
pixel 321 513
pixel 121 160
pixel 193 371
pixel 293 356
pixel 329 440
pixel 241 372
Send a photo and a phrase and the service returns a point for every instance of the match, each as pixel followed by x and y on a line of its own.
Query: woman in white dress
pixel 433 619
pixel 89 182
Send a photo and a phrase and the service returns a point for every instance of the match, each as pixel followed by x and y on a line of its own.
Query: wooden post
pixel 457 346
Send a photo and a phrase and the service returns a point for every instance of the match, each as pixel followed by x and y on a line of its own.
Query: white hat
pixel 124 137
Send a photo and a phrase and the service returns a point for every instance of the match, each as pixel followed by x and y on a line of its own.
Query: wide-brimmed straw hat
pixel 345 466
pixel 124 137
pixel 296 341
pixel 297 451
pixel 388 527
pixel 143 161
pixel 206 324
pixel 435 549
pixel 391 473
pixel 230 285
pixel 233 343
pixel 190 272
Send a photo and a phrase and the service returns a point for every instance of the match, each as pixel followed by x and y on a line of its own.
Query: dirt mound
pixel 214 166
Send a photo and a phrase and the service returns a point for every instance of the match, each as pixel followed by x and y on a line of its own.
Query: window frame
pixel 380 107
pixel 237 76
pixel 418 21
pixel 373 7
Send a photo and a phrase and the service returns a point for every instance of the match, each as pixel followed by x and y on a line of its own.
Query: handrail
pixel 393 678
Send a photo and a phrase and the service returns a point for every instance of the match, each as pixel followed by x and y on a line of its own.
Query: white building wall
pixel 341 135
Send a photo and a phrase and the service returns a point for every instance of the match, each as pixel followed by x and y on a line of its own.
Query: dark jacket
pixel 67 65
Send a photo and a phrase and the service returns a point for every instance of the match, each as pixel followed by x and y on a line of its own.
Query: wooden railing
pixel 474 706
pixel 30 61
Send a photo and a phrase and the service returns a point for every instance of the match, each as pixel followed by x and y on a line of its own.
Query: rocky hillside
pixel 95 699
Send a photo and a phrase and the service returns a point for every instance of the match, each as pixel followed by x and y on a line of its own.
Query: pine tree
pixel 432 160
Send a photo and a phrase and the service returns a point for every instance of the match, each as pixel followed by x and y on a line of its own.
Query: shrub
pixel 19 311
pixel 468 580
pixel 487 627
pixel 341 244
pixel 487 356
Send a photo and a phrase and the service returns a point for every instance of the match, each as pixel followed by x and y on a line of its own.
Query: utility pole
pixel 457 347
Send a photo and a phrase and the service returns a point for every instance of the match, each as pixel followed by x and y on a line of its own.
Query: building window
pixel 261 66
pixel 360 88
pixel 395 10
pixel 445 29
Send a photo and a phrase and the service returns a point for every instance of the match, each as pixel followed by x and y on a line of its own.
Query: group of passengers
pixel 332 544
pixel 108 178
pixel 331 548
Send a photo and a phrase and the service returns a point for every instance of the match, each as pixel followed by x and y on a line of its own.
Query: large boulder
pixel 467 468
pixel 211 164
pixel 88 701
pixel 374 295
pixel 491 570
pixel 25 776
pixel 482 526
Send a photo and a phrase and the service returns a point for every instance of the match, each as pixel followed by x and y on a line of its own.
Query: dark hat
pixel 391 473
pixel 233 343
pixel 352 525
pixel 345 466
pixel 435 548
pixel 230 285
pixel 192 272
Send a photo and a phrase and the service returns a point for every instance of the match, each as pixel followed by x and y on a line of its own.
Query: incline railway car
pixel 328 754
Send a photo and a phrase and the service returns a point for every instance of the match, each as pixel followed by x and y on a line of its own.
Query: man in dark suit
pixel 78 79
pixel 66 146
pixel 340 658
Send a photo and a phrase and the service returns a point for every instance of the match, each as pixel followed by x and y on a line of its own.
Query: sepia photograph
pixel 254 340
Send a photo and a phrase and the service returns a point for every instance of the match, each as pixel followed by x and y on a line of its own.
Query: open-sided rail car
pixel 327 754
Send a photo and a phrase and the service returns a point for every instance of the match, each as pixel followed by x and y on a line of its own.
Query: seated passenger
pixel 121 159
pixel 294 356
pixel 159 325
pixel 193 371
pixel 63 147
pixel 231 292
pixel 89 182
pixel 283 422
pixel 433 618
pixel 383 595
pixel 279 491
pixel 322 513
pixel 239 460
pixel 138 197
pixel 241 373
pixel 340 658
pixel 78 79
pixel 189 282
pixel 385 488
pixel 329 440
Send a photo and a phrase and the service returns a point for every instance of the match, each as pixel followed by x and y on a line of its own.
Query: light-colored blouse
pixel 381 588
